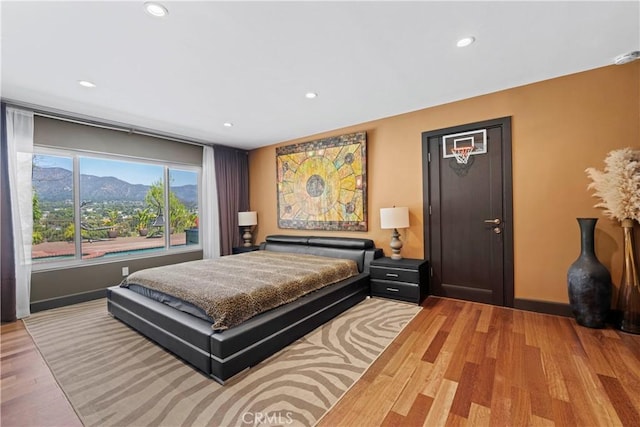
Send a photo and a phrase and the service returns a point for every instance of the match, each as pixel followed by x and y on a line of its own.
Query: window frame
pixel 75 155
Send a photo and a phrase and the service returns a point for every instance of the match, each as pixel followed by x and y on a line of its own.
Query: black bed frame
pixel 223 354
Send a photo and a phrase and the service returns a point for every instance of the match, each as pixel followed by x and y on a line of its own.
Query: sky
pixel 133 173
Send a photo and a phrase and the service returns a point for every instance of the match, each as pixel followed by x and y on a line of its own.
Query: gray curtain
pixel 7 265
pixel 232 181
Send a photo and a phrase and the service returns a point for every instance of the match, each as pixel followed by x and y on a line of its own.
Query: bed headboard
pixel 362 251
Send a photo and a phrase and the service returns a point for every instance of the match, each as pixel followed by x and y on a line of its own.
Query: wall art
pixel 322 184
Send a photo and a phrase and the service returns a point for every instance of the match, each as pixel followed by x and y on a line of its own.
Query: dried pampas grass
pixel 618 186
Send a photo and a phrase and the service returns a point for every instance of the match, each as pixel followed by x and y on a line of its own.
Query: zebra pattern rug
pixel 113 376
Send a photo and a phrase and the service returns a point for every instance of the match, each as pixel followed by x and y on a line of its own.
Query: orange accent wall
pixel 559 128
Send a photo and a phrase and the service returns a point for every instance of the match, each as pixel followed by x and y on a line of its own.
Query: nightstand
pixel 243 249
pixel 404 279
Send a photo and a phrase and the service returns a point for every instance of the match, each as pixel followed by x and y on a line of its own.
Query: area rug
pixel 113 376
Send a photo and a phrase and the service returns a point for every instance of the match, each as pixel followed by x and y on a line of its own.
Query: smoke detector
pixel 627 57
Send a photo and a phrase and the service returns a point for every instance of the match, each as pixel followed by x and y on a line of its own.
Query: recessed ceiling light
pixel 86 83
pixel 227 124
pixel 155 9
pixel 311 95
pixel 466 41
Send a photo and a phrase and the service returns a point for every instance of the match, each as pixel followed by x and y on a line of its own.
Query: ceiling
pixel 251 63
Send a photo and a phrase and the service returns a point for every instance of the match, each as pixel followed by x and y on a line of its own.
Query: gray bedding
pixel 235 288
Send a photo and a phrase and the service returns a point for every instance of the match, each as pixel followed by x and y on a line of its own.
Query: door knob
pixel 497 230
pixel 493 221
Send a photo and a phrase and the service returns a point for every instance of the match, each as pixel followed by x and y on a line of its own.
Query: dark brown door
pixel 468 212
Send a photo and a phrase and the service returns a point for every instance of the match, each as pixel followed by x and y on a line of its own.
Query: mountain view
pixel 55 184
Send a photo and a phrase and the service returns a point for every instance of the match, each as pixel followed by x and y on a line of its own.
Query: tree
pixel 70 233
pixel 155 196
pixel 37 212
pixel 113 217
pixel 143 216
pixel 36 235
pixel 178 212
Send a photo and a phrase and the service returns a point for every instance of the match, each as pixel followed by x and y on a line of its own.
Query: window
pixel 120 204
pixel 53 213
pixel 183 205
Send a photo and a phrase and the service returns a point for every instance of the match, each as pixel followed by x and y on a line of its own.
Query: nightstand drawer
pixel 397 290
pixel 395 274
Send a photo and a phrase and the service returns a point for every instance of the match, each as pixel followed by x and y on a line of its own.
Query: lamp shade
pixel 247 218
pixel 394 217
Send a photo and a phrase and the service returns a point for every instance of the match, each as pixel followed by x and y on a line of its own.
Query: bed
pixel 222 354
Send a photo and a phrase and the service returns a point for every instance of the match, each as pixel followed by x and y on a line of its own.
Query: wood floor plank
pixel 385 357
pixel 625 369
pixel 632 343
pixel 419 410
pixel 518 325
pixel 454 420
pixel 435 347
pixel 393 419
pixel 621 401
pixel 483 386
pixel 571 343
pixel 428 334
pixel 536 383
pixel 563 413
pixel 556 383
pixel 400 356
pixel 485 318
pixel 465 328
pixel 345 411
pixel 518 368
pixel 596 395
pixel 477 347
pixel 381 395
pixel 584 413
pixel 493 335
pixel 541 422
pixel 501 392
pixel 408 395
pixel 479 416
pixel 462 400
pixel 629 355
pixel 520 408
pixel 500 401
pixel 439 411
pixel 538 331
pixel 436 374
pixel 592 341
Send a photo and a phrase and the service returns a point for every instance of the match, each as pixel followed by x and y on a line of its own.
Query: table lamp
pixel 394 218
pixel 247 220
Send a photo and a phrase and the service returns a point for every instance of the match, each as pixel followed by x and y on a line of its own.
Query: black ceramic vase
pixel 589 281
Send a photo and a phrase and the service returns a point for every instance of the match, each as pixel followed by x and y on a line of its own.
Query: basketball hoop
pixel 462 154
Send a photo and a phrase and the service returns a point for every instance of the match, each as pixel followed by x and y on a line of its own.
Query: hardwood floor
pixel 461 363
pixel 29 393
pixel 457 363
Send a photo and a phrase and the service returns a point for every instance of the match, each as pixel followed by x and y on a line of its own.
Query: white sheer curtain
pixel 209 215
pixel 20 151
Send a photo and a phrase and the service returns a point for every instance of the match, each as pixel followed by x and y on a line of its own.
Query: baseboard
pixel 556 308
pixel 67 300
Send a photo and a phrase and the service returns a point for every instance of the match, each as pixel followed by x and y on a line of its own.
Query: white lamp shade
pixel 246 219
pixel 394 218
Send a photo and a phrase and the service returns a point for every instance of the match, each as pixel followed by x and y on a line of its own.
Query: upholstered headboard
pixel 362 251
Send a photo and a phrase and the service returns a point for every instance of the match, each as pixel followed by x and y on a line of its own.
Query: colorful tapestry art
pixel 322 185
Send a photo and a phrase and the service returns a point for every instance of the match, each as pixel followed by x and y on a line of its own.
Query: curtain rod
pixel 51 113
